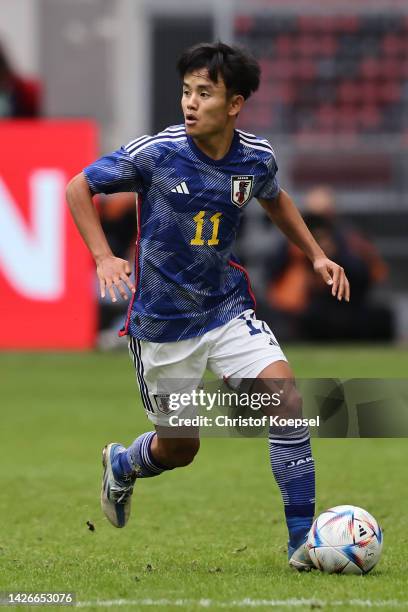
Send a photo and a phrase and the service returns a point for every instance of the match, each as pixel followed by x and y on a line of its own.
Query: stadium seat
pixel 317 68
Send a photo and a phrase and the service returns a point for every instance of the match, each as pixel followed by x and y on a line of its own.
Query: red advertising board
pixel 47 286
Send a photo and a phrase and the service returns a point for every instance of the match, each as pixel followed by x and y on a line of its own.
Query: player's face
pixel 207 108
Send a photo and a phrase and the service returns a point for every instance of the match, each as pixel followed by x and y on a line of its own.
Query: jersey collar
pixel 209 160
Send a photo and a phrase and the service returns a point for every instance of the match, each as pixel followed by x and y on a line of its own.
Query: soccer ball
pixel 345 540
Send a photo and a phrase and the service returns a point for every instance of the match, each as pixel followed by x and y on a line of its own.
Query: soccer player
pixel 192 306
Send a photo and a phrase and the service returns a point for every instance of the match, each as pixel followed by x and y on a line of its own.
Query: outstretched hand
pixel 113 273
pixel 333 275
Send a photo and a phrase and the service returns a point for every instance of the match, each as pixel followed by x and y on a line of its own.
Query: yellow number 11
pixel 199 219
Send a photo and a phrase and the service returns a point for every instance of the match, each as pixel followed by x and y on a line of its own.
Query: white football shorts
pixel 240 349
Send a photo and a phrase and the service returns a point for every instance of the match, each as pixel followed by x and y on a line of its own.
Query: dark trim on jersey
pixel 242 269
pixel 137 361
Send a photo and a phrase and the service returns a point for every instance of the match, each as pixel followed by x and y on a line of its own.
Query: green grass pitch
pixel 210 535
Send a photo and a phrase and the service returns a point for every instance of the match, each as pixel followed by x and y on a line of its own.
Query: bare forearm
pixel 86 218
pixel 283 212
pixel 286 216
pixel 113 272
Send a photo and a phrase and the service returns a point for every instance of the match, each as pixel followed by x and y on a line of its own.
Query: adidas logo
pixel 362 531
pixel 182 188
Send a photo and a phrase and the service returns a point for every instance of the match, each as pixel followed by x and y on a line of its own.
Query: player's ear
pixel 236 103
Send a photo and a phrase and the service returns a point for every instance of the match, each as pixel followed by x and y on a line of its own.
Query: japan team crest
pixel 241 189
pixel 162 402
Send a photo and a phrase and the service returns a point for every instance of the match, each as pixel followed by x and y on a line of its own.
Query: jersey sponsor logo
pixel 182 188
pixel 241 189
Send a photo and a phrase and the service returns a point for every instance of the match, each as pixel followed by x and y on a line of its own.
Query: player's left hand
pixel 333 275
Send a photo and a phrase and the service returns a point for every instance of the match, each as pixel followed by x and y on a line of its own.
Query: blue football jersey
pixel 188 213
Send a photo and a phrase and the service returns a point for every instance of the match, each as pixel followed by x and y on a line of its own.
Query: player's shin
pixel 293 467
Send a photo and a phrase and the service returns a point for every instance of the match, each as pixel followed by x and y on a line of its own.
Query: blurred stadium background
pixel 333 102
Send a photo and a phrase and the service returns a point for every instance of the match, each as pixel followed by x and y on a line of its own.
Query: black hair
pixel 239 70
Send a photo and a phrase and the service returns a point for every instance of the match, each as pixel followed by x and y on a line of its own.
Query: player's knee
pixel 292 404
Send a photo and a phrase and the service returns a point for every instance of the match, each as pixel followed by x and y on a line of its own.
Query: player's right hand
pixel 333 275
pixel 113 273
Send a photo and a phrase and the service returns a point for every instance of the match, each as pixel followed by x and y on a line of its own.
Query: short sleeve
pixel 270 188
pixel 114 173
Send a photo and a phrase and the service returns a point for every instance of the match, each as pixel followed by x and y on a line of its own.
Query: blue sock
pixel 138 458
pixel 293 467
